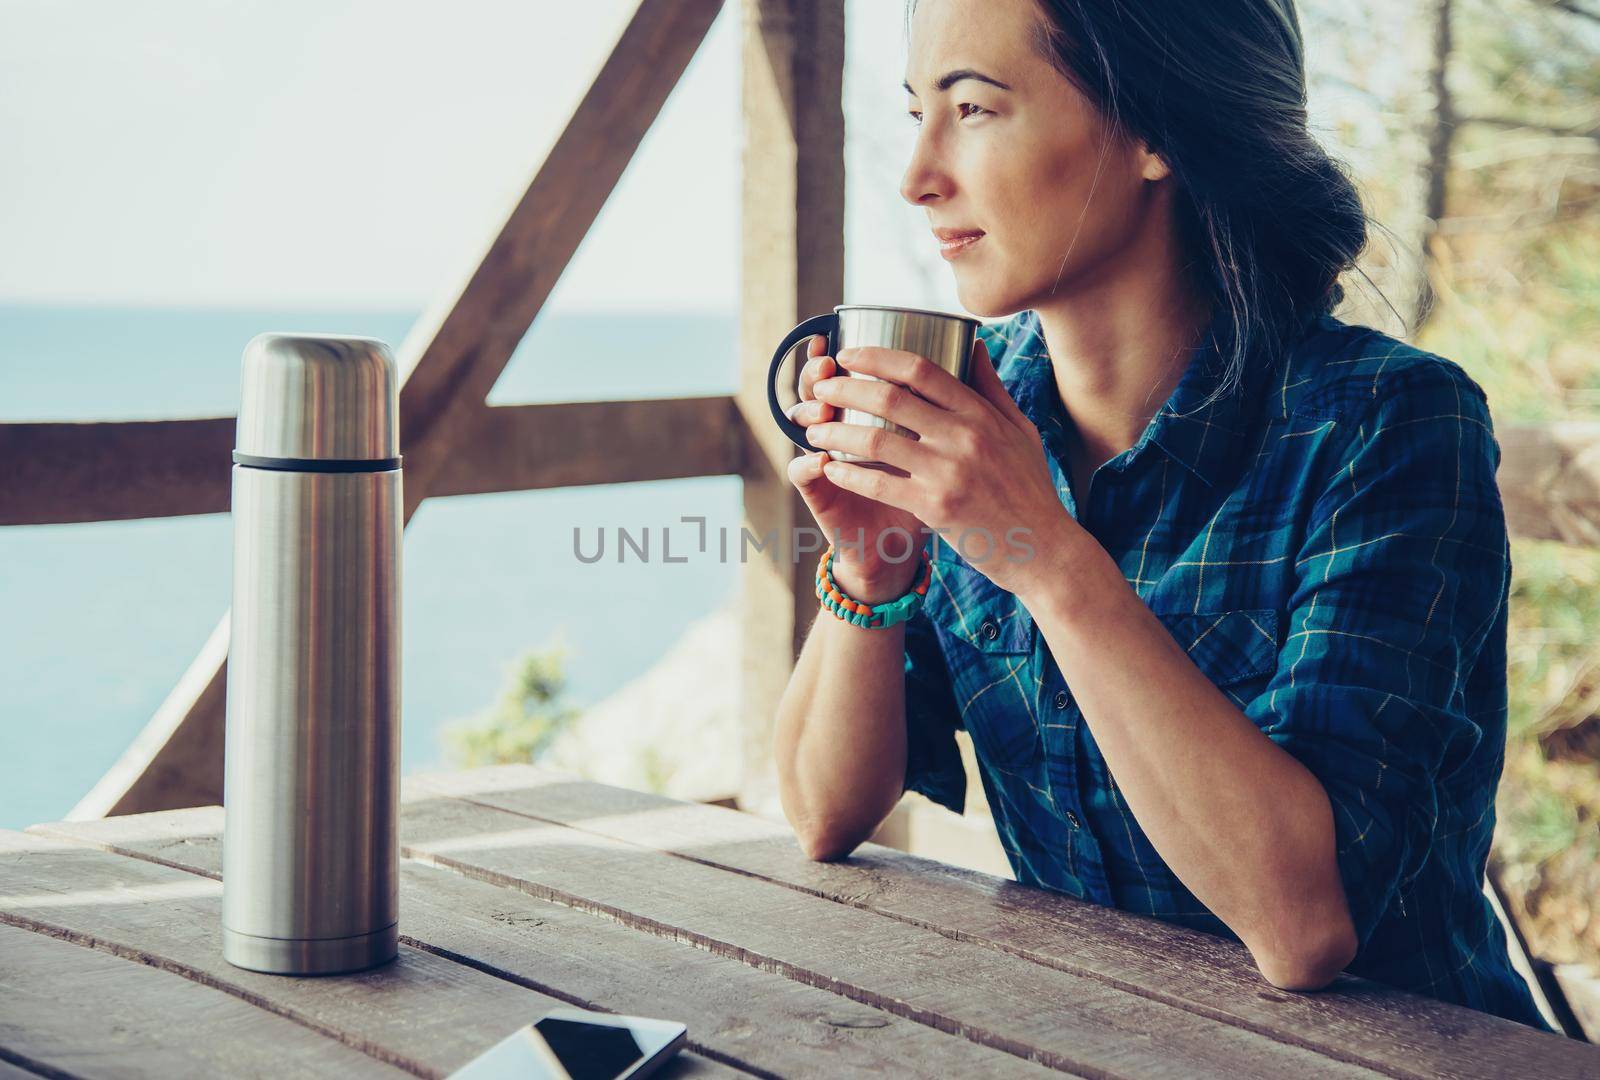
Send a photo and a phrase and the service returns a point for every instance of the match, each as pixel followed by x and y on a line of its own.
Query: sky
pixel 344 154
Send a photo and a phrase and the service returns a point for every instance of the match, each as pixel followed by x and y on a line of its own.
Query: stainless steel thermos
pixel 311 785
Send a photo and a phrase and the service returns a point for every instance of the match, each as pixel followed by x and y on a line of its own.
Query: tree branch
pixel 1514 123
pixel 1572 7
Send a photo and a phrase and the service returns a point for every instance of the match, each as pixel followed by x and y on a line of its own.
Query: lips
pixel 953 242
pixel 959 244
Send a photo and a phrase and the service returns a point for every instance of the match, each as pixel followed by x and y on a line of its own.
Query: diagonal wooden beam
pixel 454 354
pixel 448 363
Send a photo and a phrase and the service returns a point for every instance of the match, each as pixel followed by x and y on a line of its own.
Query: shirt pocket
pixel 989 644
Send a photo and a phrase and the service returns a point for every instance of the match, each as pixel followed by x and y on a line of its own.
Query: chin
pixel 988 303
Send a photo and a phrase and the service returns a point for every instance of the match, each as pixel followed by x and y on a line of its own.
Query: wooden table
pixel 524 889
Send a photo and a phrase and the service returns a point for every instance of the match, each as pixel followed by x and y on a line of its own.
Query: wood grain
pixel 739 1013
pixel 609 898
pixel 1059 1018
pixel 912 973
pixel 423 1013
pixel 1356 1020
pixel 81 1012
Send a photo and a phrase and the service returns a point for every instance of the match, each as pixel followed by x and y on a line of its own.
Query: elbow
pixel 824 845
pixel 1308 961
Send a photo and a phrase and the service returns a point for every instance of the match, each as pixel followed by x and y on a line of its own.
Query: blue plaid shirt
pixel 1328 545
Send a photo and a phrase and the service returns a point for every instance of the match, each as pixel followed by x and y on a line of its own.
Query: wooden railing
pixel 792 266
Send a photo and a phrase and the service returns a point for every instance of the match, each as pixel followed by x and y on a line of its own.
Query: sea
pixel 99 621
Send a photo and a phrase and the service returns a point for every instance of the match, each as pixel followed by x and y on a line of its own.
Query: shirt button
pixel 1072 819
pixel 990 630
pixel 1061 699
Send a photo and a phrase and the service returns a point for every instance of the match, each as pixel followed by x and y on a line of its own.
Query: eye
pixel 916 117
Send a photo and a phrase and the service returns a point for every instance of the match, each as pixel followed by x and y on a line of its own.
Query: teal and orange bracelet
pixel 870 616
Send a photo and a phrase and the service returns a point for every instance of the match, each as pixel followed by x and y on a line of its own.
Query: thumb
pixel 986 381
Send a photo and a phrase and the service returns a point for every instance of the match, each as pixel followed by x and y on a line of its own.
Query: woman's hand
pixel 976 473
pixel 844 514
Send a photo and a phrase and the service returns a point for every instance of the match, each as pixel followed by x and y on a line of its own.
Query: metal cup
pixel 943 338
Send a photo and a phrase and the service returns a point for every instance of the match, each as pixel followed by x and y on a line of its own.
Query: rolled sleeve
pixel 933 760
pixel 1401 578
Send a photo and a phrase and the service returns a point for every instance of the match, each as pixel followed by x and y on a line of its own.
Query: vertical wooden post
pixel 792 81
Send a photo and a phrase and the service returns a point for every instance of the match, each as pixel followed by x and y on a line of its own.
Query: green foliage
pixel 1516 270
pixel 523 723
pixel 1514 264
pixel 1549 808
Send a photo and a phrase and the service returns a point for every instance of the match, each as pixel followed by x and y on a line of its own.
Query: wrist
pixel 1066 571
pixel 878 583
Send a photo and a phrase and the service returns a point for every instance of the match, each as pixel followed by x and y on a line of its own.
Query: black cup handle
pixel 818 324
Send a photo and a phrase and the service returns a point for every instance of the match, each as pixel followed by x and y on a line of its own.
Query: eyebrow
pixel 950 78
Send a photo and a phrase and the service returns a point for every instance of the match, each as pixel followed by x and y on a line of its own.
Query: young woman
pixel 1252 678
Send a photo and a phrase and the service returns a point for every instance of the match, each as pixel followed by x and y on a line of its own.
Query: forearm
pixel 1246 827
pixel 840 744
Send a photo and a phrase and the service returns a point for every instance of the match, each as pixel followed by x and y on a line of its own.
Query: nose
pixel 924 177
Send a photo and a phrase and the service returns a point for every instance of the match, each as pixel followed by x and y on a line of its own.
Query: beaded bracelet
pixel 870 616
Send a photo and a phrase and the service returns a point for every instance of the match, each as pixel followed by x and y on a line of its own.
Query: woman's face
pixel 1031 166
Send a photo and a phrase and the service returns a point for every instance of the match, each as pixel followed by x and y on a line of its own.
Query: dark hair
pixel 1218 90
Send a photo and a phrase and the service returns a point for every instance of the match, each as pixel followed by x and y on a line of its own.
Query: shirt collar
pixel 1203 437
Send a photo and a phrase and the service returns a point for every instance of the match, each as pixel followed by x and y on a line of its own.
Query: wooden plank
pixel 1057 1018
pixel 57 473
pixel 992 1000
pixel 450 360
pixel 1356 1020
pixel 737 1012
pixel 570 444
pixel 792 267
pixel 81 1012
pixel 116 471
pixel 424 1013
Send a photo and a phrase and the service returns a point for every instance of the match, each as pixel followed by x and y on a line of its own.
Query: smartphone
pixel 576 1044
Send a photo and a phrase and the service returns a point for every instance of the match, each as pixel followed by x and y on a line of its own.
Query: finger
pixel 874 443
pixel 876 484
pixel 928 379
pixel 805 470
pixel 986 381
pixel 886 399
pixel 818 365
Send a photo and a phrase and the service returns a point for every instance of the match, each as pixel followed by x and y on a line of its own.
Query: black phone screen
pixel 590 1051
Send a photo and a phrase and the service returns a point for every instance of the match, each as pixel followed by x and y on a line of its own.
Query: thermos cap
pixel 318 397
